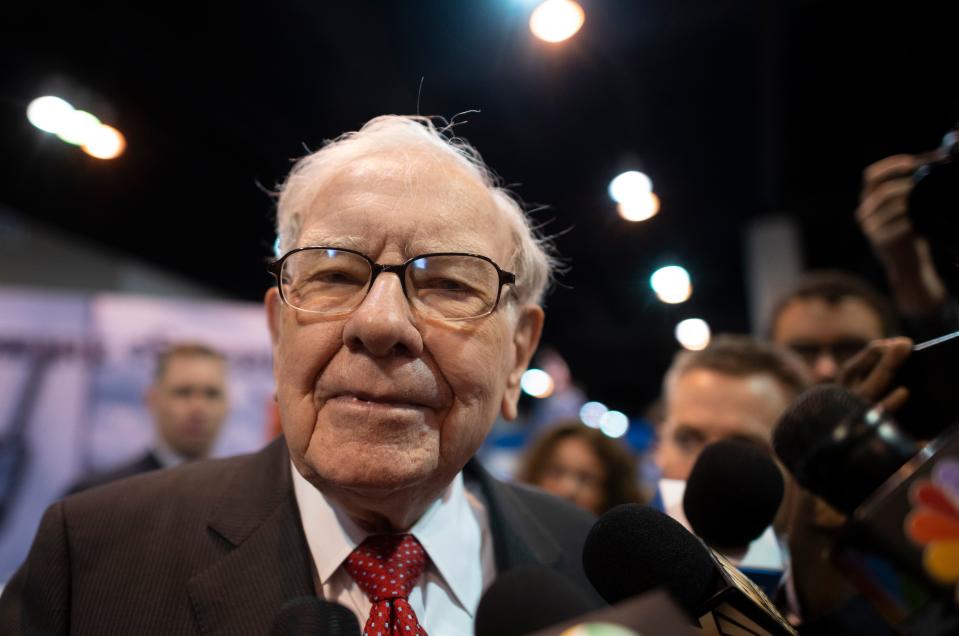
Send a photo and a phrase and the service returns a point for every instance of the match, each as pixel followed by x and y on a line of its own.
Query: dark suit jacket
pixel 216 547
pixel 144 464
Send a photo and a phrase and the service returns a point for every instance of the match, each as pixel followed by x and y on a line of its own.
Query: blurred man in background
pixel 187 401
pixel 737 387
pixel 827 318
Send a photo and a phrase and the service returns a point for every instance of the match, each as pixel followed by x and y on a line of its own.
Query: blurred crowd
pixel 831 326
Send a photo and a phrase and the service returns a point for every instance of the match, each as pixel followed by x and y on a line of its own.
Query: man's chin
pixel 370 479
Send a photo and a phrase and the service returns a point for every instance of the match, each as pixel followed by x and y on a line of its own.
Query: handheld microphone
pixel 534 600
pixel 732 494
pixel 526 599
pixel 311 616
pixel 730 500
pixel 633 549
pixel 902 501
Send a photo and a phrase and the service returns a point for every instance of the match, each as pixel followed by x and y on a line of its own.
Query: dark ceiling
pixel 736 108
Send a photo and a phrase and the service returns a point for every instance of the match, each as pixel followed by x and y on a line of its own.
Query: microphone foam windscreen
pixel 527 599
pixel 810 420
pixel 633 549
pixel 732 494
pixel 310 616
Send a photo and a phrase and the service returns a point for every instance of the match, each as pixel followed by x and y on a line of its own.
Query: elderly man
pixel 406 310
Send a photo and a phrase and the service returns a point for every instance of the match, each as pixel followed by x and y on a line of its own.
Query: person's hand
pixel 883 206
pixel 883 218
pixel 870 373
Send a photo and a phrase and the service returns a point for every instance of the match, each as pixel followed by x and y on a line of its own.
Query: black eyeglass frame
pixel 276 266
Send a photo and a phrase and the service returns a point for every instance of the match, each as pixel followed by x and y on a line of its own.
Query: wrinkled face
pixel 825 335
pixel 189 403
pixel 704 406
pixel 574 472
pixel 382 399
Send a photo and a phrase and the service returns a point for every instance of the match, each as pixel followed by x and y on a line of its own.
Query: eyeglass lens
pixel 329 281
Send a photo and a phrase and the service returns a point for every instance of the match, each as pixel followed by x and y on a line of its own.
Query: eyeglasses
pixel 447 285
pixel 841 351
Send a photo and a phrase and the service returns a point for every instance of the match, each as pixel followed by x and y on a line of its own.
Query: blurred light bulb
pixel 614 424
pixel 641 209
pixel 671 284
pixel 630 187
pixel 106 143
pixel 693 334
pixel 79 128
pixel 591 413
pixel 537 383
pixel 556 20
pixel 49 113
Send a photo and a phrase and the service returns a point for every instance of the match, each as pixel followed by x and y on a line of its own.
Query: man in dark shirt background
pixel 187 402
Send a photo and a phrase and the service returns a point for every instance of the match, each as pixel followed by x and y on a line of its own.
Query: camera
pixel 934 201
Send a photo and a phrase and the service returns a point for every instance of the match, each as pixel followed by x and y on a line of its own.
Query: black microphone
pixel 732 495
pixel 838 448
pixel 311 616
pixel 633 549
pixel 731 498
pixel 526 599
pixel 900 498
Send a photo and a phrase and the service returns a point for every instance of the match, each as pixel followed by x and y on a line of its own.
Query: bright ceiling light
pixel 49 113
pixel 671 284
pixel 105 143
pixel 614 424
pixel 79 128
pixel 693 334
pixel 630 187
pixel 556 20
pixel 643 209
pixel 591 413
pixel 537 383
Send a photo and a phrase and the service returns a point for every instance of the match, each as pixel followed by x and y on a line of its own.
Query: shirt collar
pixel 448 531
pixel 165 454
pixel 453 538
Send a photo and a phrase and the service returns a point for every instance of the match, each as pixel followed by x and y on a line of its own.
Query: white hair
pixel 533 259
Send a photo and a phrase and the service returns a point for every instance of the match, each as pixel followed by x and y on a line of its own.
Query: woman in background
pixel 583 465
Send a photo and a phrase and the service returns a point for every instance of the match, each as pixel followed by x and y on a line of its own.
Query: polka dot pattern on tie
pixel 386 567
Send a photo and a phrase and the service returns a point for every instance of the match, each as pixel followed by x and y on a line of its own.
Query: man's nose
pixel 825 368
pixel 383 324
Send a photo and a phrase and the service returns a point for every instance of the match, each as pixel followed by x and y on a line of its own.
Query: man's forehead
pixel 185 366
pixel 418 200
pixel 408 168
pixel 424 242
pixel 816 318
pixel 710 395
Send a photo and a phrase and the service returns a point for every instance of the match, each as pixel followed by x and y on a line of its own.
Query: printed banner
pixel 73 373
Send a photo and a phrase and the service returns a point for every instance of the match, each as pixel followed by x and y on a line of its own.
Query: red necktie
pixel 386 567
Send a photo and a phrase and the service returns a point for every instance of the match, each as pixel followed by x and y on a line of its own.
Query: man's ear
pixel 529 327
pixel 272 303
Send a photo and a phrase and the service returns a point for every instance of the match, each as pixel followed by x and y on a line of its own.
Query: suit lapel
pixel 518 538
pixel 266 562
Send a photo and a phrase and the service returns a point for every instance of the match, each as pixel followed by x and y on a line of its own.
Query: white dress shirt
pixel 165 454
pixel 454 531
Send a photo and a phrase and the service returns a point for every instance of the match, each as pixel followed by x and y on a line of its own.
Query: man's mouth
pixel 385 401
